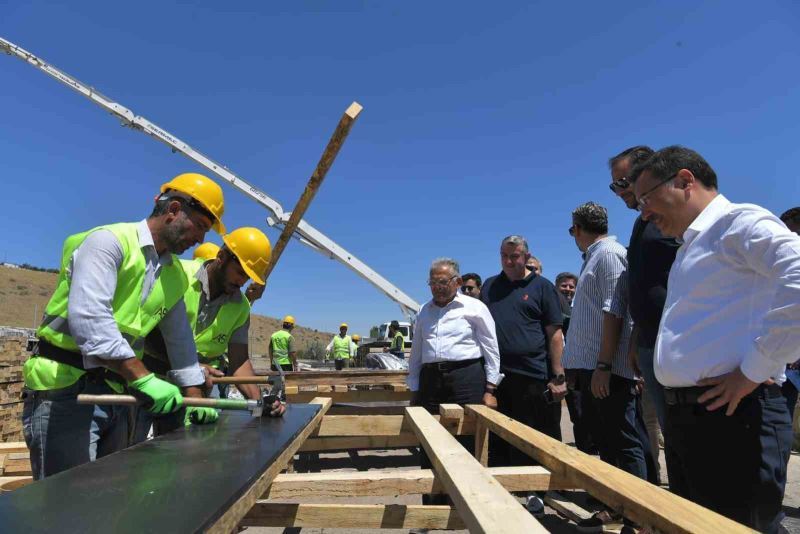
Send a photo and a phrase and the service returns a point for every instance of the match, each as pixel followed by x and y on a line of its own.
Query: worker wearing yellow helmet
pixel 117 282
pixel 281 347
pixel 220 319
pixel 340 348
pixel 355 340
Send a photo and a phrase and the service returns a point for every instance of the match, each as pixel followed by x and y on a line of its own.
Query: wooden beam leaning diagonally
pixel 393 482
pixel 350 516
pixel 483 504
pixel 637 499
pixel 229 521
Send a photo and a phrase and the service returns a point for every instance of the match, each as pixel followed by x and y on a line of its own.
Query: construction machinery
pixel 278 218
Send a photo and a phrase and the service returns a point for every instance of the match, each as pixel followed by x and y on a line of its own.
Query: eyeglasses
pixel 643 199
pixel 441 283
pixel 572 230
pixel 467 289
pixel 619 185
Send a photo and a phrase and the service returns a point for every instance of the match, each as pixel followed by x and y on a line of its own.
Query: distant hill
pixel 24 294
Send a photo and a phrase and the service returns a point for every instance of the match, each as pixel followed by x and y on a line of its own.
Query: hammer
pixel 255 407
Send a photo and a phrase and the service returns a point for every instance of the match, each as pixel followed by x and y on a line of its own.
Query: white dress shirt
pixel 733 298
pixel 93 274
pixel 461 330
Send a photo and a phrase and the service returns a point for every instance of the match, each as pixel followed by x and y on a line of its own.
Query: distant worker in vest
pixel 341 348
pixel 220 319
pixel 398 341
pixel 356 339
pixel 116 283
pixel 281 347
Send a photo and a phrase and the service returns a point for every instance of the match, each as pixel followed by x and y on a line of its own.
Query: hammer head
pixel 265 402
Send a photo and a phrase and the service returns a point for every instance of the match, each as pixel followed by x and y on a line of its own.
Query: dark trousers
pixel 581 422
pixel 618 426
pixel 341 363
pixel 459 384
pixel 733 465
pixel 790 393
pixel 522 398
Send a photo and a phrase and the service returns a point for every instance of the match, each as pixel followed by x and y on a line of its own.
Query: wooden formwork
pixel 481 496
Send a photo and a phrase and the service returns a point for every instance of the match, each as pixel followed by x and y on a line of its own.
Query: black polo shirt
pixel 650 257
pixel 521 310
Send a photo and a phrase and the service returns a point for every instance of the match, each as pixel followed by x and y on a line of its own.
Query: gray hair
pixel 516 240
pixel 446 262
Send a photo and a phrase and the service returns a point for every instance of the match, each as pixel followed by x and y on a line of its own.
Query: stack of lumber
pixel 13 353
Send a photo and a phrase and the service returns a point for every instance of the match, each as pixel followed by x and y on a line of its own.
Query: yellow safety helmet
pixel 343 325
pixel 289 319
pixel 356 338
pixel 253 250
pixel 205 191
pixel 206 251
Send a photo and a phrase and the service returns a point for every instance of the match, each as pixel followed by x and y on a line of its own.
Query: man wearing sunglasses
pixel 650 256
pixel 729 328
pixel 471 285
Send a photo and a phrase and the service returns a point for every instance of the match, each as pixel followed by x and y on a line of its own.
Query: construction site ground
pixel 408 459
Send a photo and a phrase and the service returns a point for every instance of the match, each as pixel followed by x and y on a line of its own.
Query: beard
pixel 174 236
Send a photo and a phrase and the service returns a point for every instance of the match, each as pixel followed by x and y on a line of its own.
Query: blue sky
pixel 480 120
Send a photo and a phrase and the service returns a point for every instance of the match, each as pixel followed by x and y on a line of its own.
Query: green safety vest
pixel 341 347
pixel 280 347
pixel 212 342
pixel 398 342
pixel 134 318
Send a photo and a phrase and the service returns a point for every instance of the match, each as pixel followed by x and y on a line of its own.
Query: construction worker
pixel 341 348
pixel 220 319
pixel 281 347
pixel 205 251
pixel 398 341
pixel 116 283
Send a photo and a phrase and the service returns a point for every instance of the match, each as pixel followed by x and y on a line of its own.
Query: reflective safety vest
pixel 280 347
pixel 341 347
pixel 398 342
pixel 134 318
pixel 212 342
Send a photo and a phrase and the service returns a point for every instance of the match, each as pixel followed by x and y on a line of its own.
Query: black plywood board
pixel 180 482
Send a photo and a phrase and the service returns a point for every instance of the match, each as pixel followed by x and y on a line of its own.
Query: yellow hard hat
pixel 205 191
pixel 356 337
pixel 206 251
pixel 289 319
pixel 253 250
pixel 343 325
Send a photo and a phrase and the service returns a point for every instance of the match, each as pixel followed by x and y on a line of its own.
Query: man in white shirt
pixel 730 325
pixel 454 357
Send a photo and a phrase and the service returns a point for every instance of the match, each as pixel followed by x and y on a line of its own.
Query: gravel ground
pixel 407 459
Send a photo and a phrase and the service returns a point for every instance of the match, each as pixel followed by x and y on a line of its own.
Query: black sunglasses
pixel 572 230
pixel 619 185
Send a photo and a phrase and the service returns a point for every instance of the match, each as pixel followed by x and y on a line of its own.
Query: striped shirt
pixel 602 287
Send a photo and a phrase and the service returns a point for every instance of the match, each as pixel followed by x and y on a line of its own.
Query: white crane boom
pixel 305 233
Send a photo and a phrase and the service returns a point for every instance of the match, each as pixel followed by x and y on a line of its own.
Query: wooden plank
pixel 451 411
pixel 352 516
pixel 340 388
pixel 17 464
pixel 229 521
pixel 323 389
pixel 16 482
pixel 360 409
pixel 396 482
pixel 352 396
pixel 483 504
pixel 565 507
pixel 13 446
pixel 482 444
pixel 326 161
pixel 639 500
pixel 360 442
pixel 398 387
pixel 379 425
pixel 290 390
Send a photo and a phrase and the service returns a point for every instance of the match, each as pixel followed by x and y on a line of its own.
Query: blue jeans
pixel 653 386
pixel 60 433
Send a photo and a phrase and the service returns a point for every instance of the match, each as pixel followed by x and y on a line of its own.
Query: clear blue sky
pixel 480 120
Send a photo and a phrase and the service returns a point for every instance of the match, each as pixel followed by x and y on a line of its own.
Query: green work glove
pixel 158 396
pixel 200 416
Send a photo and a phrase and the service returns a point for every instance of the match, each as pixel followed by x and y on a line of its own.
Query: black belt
pixel 689 395
pixel 443 367
pixel 73 359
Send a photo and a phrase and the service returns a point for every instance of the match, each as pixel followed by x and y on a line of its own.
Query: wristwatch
pixel 559 379
pixel 603 366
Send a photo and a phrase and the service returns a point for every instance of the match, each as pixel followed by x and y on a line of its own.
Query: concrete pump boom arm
pixel 305 233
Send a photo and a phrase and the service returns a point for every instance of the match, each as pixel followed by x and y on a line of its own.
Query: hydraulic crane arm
pixel 305 233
